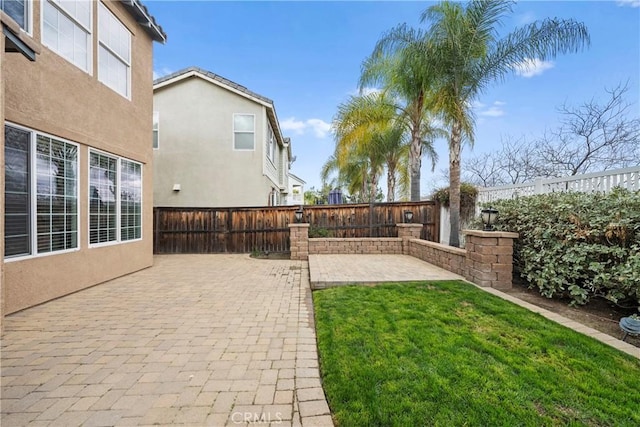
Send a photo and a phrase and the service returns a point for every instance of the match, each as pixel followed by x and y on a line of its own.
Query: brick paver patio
pixel 336 270
pixel 194 340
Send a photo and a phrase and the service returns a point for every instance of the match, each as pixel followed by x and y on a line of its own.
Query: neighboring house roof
pixel 144 18
pixel 296 178
pixel 186 73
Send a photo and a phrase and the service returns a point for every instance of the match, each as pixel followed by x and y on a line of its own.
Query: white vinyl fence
pixel 588 183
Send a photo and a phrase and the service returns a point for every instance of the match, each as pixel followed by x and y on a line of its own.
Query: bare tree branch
pixel 595 136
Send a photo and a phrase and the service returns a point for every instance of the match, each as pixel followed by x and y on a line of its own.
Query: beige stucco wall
pixel 54 96
pixel 196 148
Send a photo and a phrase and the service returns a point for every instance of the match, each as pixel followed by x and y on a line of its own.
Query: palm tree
pixel 396 64
pixel 392 143
pixel 463 52
pixel 370 135
pixel 352 174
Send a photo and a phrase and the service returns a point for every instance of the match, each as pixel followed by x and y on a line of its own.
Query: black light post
pixel 298 215
pixel 408 217
pixel 489 217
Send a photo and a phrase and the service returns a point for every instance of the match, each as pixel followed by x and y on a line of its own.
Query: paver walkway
pixel 336 270
pixel 195 340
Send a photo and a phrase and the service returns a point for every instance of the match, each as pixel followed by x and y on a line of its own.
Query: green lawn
pixel 449 354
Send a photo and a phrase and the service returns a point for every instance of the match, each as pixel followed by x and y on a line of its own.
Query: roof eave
pixel 146 21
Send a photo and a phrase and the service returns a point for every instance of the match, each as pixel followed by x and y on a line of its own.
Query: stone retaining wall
pixel 363 245
pixel 443 256
pixel 486 260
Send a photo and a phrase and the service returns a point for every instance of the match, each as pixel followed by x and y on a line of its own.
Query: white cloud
pixel 294 125
pixel 494 110
pixel 365 91
pixel 319 127
pixel 532 67
pixel 631 3
pixel 370 90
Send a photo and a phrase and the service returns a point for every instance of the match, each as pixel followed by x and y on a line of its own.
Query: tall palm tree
pixel 396 64
pixel 464 53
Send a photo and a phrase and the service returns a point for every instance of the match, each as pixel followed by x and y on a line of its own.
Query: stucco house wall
pixel 195 111
pixel 54 97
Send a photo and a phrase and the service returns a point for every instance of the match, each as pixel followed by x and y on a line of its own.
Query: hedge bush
pixel 577 244
pixel 468 195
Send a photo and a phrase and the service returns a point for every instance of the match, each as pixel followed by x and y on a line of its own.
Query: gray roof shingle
pixel 215 77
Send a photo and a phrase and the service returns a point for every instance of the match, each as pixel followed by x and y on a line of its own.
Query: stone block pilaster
pixel 407 232
pixel 489 260
pixel 299 241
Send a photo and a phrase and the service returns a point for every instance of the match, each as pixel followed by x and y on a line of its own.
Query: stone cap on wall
pixel 302 225
pixel 404 224
pixel 500 234
pixel 441 247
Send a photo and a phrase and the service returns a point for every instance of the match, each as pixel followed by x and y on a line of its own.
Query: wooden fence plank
pixel 243 230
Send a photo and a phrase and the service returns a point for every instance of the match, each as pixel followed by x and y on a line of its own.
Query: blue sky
pixel 306 56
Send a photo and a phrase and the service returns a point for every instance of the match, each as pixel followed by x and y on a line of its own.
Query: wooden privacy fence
pixel 266 229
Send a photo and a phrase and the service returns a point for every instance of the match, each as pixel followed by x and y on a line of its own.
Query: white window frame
pixel 272 142
pixel 58 7
pixel 118 240
pixel 33 196
pixel 156 130
pixel 126 62
pixel 234 132
pixel 29 17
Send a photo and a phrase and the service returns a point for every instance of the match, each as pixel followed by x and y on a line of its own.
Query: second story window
pixel 244 131
pixel 18 10
pixel 114 52
pixel 66 29
pixel 156 130
pixel 271 145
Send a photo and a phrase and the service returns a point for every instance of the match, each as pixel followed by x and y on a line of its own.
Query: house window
pixel 48 222
pixel 130 200
pixel 244 131
pixel 18 10
pixel 115 199
pixel 156 130
pixel 66 29
pixel 114 52
pixel 271 144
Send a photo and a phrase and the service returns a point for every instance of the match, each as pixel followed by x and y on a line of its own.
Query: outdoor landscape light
pixel 298 215
pixel 408 217
pixel 489 217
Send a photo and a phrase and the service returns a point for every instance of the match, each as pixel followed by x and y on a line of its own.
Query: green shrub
pixel 318 232
pixel 577 244
pixel 468 195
